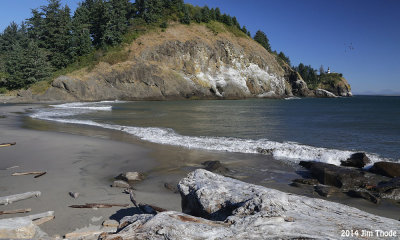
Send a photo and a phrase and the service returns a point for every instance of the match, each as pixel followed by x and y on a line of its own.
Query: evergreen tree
pixel 213 15
pixel 235 22
pixel 205 12
pixel 186 16
pixel 262 39
pixel 35 27
pixel 197 16
pixel 284 58
pixel 10 36
pixel 81 41
pixel 218 15
pixel 117 25
pixel 227 19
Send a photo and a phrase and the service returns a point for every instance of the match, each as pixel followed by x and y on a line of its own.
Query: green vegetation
pixel 53 42
pixel 314 81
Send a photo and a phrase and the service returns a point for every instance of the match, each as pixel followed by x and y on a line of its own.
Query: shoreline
pixel 79 161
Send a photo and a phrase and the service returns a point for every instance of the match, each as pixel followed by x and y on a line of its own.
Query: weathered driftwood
pixel 17 197
pixel 27 173
pixel 42 220
pixel 82 234
pixel 99 205
pixel 39 175
pixel 38 216
pixel 12 167
pixel 7 144
pixel 15 211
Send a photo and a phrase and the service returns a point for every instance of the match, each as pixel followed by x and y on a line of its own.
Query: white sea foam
pixel 292 98
pixel 291 151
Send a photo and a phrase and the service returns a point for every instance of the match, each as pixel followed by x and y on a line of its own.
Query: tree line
pixel 53 37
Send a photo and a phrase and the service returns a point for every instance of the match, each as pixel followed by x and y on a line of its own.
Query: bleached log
pixel 82 234
pixel 40 221
pixel 40 215
pixel 7 144
pixel 27 173
pixel 18 197
pixel 15 211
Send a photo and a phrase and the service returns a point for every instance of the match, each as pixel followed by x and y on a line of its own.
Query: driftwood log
pixel 28 173
pixel 7 144
pixel 18 197
pixel 15 211
pixel 99 205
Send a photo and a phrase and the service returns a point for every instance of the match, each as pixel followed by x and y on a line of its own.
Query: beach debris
pixel 110 223
pixel 12 167
pixel 90 232
pixel 99 205
pixel 15 211
pixel 38 174
pixel 120 184
pixel 130 176
pixel 74 194
pixel 7 144
pixel 18 197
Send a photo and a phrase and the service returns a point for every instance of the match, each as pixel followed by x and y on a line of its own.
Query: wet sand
pixel 85 160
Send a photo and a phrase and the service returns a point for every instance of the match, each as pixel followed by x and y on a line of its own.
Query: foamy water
pixel 288 151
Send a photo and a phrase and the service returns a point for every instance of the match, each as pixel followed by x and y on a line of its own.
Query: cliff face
pixel 187 62
pixel 182 62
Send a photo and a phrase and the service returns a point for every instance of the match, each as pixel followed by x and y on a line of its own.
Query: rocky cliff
pixel 182 62
pixel 186 62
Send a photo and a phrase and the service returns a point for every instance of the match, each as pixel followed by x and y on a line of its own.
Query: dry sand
pixel 73 163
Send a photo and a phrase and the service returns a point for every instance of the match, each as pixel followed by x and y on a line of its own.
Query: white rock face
pixel 248 211
pixel 324 93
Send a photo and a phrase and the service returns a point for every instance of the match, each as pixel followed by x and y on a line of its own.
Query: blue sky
pixel 359 38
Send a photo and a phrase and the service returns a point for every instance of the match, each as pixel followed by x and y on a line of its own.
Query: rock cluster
pixel 381 181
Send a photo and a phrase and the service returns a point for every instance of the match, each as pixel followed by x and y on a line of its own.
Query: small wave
pixel 89 106
pixel 292 98
pixel 291 151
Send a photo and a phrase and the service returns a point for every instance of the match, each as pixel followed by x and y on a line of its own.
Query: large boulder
pixel 324 93
pixel 358 160
pixel 389 169
pixel 247 211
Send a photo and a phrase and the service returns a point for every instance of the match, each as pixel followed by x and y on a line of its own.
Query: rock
pixel 329 174
pixel 110 223
pixel 74 194
pixel 326 191
pixel 172 187
pixel 215 166
pixel 324 93
pixel 130 176
pixel 389 169
pixel 27 94
pixel 120 184
pixel 358 160
pixel 364 194
pixel 307 181
pixel 247 211
pixel 389 189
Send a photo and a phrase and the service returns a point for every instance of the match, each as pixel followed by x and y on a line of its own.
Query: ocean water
pixel 294 129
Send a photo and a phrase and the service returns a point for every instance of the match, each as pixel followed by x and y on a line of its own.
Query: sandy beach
pixel 85 160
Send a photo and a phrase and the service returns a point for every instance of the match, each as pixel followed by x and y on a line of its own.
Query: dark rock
pixel 215 166
pixel 364 194
pixel 389 169
pixel 329 174
pixel 358 160
pixel 172 187
pixel 326 191
pixel 389 189
pixel 306 164
pixel 307 181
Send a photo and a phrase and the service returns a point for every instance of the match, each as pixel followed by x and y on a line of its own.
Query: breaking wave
pixel 291 151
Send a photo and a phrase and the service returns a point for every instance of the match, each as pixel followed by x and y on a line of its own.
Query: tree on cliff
pixel 283 57
pixel 262 39
pixel 81 40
